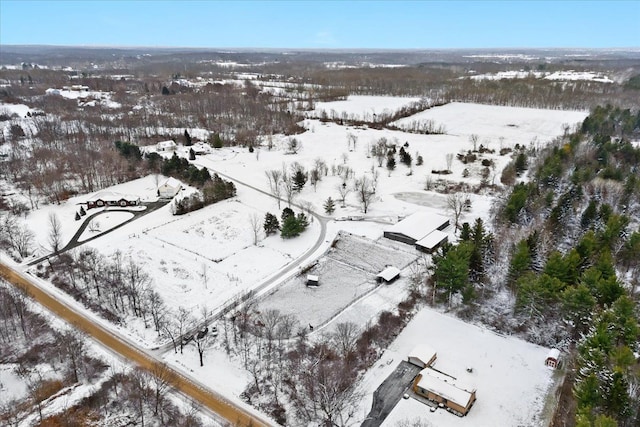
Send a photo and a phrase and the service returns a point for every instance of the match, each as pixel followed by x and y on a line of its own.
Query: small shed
pixel 169 145
pixel 422 356
pixel 169 188
pixel 388 275
pixel 553 358
pixel 312 280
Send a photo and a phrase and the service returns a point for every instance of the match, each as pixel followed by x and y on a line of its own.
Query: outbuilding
pixel 553 358
pixel 169 188
pixel 422 356
pixel 169 145
pixel 432 241
pixel 312 280
pixel 415 229
pixel 388 275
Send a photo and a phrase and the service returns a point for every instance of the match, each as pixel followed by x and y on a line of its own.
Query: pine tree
pixel 391 164
pixel 217 141
pixel 77 216
pixel 329 206
pixel 299 180
pixel 271 224
pixel 187 139
pixel 286 213
pixel 192 154
pixel 82 211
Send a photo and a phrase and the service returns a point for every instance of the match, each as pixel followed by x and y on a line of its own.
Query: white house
pixel 169 145
pixel 553 358
pixel 169 188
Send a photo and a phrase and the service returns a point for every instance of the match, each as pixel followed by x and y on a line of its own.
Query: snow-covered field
pixel 509 374
pixel 346 273
pixel 207 257
pixel 569 75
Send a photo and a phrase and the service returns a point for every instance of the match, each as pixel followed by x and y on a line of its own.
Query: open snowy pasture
pixel 498 126
pixel 362 107
pixel 346 273
pixel 509 374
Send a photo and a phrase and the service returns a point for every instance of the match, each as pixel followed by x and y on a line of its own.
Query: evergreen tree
pixel 391 164
pixel 217 141
pixel 286 213
pixel 299 180
pixel 82 211
pixel 192 154
pixel 77 216
pixel 187 139
pixel 329 206
pixel 271 224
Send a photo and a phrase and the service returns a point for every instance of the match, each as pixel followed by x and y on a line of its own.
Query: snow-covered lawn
pixel 207 257
pixel 509 374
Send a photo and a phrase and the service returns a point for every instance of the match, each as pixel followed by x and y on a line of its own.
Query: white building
pixel 169 188
pixel 169 145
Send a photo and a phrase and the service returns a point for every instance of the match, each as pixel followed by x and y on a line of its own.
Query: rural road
pixel 208 398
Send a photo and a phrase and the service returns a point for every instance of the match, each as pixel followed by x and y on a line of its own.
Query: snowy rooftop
pixel 432 239
pixel 443 385
pixel 554 353
pixel 169 143
pixel 172 182
pixel 419 225
pixel 110 195
pixel 389 273
pixel 423 352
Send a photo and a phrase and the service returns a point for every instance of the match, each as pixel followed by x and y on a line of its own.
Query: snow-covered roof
pixel 169 143
pixel 432 239
pixel 444 386
pixel 172 182
pixel 110 195
pixel 419 224
pixel 389 273
pixel 423 353
pixel 312 278
pixel 554 353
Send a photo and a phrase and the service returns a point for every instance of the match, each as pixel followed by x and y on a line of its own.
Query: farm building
pixel 169 145
pixel 418 229
pixel 388 275
pixel 169 188
pixel 553 358
pixel 422 356
pixel 432 241
pixel 107 198
pixel 442 389
pixel 312 280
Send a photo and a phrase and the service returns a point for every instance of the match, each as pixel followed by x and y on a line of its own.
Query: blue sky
pixel 323 24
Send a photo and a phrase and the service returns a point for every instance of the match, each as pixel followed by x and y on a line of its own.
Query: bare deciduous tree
pixel 274 177
pixel 343 190
pixel 55 232
pixel 449 158
pixel 365 192
pixel 456 203
pixel 255 222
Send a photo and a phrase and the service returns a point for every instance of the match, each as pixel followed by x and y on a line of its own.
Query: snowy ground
pixel 346 273
pixel 509 374
pixel 217 242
